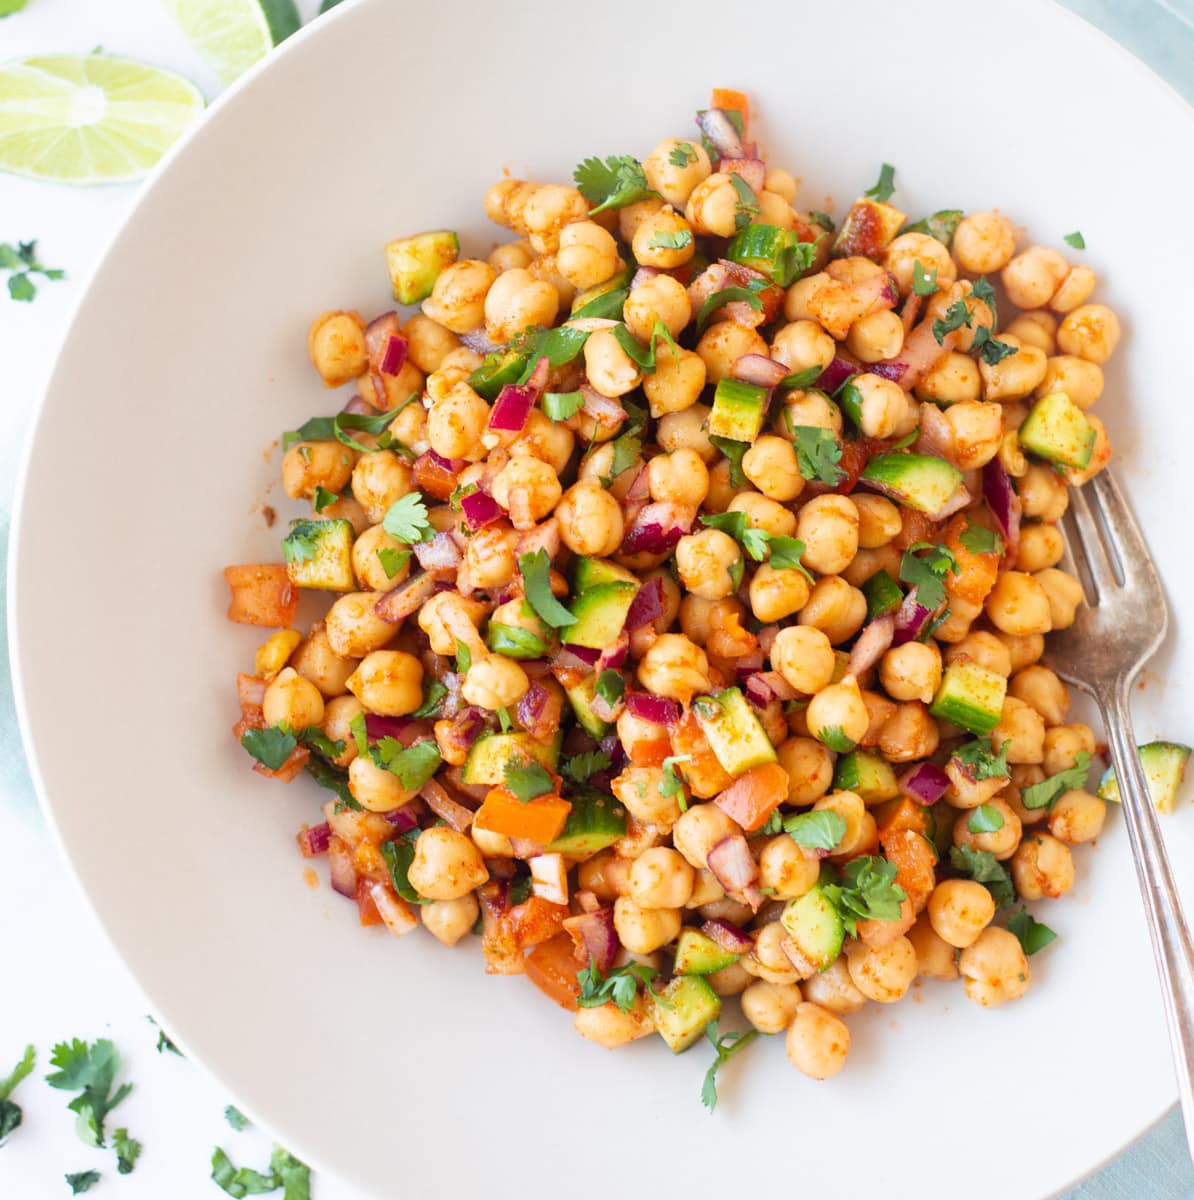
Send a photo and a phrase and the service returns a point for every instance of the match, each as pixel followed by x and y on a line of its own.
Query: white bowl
pixel 399 1064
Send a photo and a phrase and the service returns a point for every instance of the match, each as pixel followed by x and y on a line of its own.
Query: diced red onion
pixel 405 818
pixel 752 170
pixel 359 405
pixel 1004 504
pixel 640 489
pixel 874 294
pixel 910 620
pixel 936 434
pixel 873 642
pixel 315 839
pixel 924 783
pixel 766 637
pixel 393 356
pixel 834 375
pixel 530 707
pixel 511 409
pixel 603 409
pixel 341 870
pixel 612 657
pixel 587 654
pixel 748 664
pixel 757 690
pixel 480 509
pixel 921 352
pixel 524 848
pixel 656 710
pixel 759 369
pixel 595 936
pixel 647 605
pixel 716 125
pixel 406 598
pixel 732 863
pixel 892 369
pixel 439 554
pixel 444 807
pixel 730 937
pixel 467 726
pixel 378 333
pixel 657 529
pixel 399 728
pixel 781 689
pixel 587 900
pixel 395 913
pixel 448 464
pixel 642 275
pixel 477 340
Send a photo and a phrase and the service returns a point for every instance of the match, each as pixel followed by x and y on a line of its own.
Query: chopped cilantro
pixel 627 450
pixel 978 539
pixel 392 561
pixel 979 760
pixel 82 1181
pixel 786 553
pixel 802 379
pixel 985 819
pixel 620 985
pixel 941 225
pixel 579 767
pixel 1076 240
pixel 236 1118
pixel 301 544
pixel 1043 794
pixel 884 185
pixel 21 259
pixel 464 658
pixel 412 765
pixel 924 283
pixel 672 783
pixel 819 829
pixel 286 1172
pixel 271 746
pixel 822 219
pixel 983 867
pixel 536 577
pixel 528 780
pixel 990 349
pixel 774 824
pixel 561 406
pixel 928 574
pixel 128 1150
pixel 737 525
pixel 433 697
pixel 734 452
pixel 957 315
pixel 613 183
pixel 671 241
pixel 834 736
pixel 748 295
pixel 867 892
pixel 398 854
pixel 1032 934
pixel 746 208
pixel 406 520
pixel 608 305
pixel 725 1046
pixel 90 1070
pixel 10 1112
pixel 818 454
pixel 682 155
pixel 611 687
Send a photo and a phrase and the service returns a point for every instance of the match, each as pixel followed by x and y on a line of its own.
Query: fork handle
pixel 1173 948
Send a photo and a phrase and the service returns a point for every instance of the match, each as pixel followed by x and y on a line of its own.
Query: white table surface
pixel 58 977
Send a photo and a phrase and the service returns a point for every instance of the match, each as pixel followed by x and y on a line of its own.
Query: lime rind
pixel 232 35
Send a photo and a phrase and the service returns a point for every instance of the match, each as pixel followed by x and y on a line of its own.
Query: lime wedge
pixel 74 118
pixel 231 35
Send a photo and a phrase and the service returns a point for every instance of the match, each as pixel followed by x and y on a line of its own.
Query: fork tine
pixel 1123 533
pixel 1090 552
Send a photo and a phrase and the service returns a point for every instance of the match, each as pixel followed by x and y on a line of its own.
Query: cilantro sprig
pixel 10 1112
pixel 819 829
pixel 682 155
pixel 1033 935
pixel 867 892
pixel 613 182
pixel 926 566
pixel 90 1070
pixel 884 186
pixel 818 453
pixel 285 1172
pixel 725 1047
pixel 980 761
pixel 580 767
pixel 620 985
pixel 785 552
pixel 22 261
pixel 1045 793
pixel 406 520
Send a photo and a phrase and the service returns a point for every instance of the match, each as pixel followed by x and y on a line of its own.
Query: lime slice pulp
pixel 231 35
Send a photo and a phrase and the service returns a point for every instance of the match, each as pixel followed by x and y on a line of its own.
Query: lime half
pixel 74 118
pixel 231 35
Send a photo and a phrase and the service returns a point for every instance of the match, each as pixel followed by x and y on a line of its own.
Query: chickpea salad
pixel 690 562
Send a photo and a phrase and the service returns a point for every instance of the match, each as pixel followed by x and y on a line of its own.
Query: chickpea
pixel 1079 379
pixel 680 477
pixel 911 671
pixel 771 465
pixel 1076 816
pixel 839 706
pixel 316 661
pixel 336 346
pixel 611 371
pixel 644 930
pixel 983 242
pixel 511 256
pixel 804 657
pixel 1042 866
pixel 292 701
pixel 494 845
pixel 1031 278
pixel 494 682
pixel 379 480
pixel 994 970
pixel 1064 593
pixel 876 336
pixel 1075 289
pixel 1040 688
pixel 338 715
pixel 775 593
pixel 549 210
pixel 983 648
pixel 456 424
pixel 588 254
pixel 687 428
pixel 661 878
pixel 834 990
pixel 1022 729
pixel 860 833
pixel 954 379
pixel 676 384
pixel 633 215
pixel 353 628
pixel 879 521
pixel 676 668
pixel 828 526
pixel 709 563
pixel 1063 744
pixel 786 868
pixel 1043 494
pixel 979 311
pixel 375 788
pixel 457 299
pixel 660 298
pixel 449 920
pixel 808 408
pixel 802 345
pixel 809 767
pixel 712 206
pixel 959 910
pixel 590 519
pixel 446 865
pixel 730 981
pixel 447 618
pixel 834 607
pixel 516 300
pixel 653 240
pixel 490 556
pixel 638 789
pixel 528 489
pixel 909 733
pixel 764 513
pixel 610 1027
pixel 770 1007
pixel 881 404
pixel 977 433
pixel 1018 604
pixel 674 182
pixel 1041 546
pixel 699 829
pixel 935 958
pixel 817 1042
pixel 1014 376
pixel 723 344
pixel 774 210
pixel 903 252
pixel 545 440
pixel 957 620
pixel 388 682
pixel 308 465
pixel 882 973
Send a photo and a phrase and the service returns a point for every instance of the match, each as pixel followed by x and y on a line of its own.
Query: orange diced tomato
pixel 703 773
pixel 650 752
pixel 540 820
pixel 729 98
pixel 915 860
pixel 536 920
pixel 976 573
pixel 754 795
pixel 552 968
pixel 902 814
pixel 262 594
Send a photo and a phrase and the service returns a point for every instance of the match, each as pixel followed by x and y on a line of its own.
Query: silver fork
pixel 1102 653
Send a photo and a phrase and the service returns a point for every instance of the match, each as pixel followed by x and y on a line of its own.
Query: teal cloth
pixel 1158 1166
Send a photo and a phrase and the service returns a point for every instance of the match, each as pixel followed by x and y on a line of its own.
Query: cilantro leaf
pixel 335 781
pixel 737 525
pixel 672 783
pixel 613 183
pixel 609 305
pixel 801 379
pixel 682 155
pixel 271 746
pixel 822 219
pixel 983 867
pixel 941 225
pixel 834 736
pixel 559 346
pixel 406 520
pixel 924 283
pixel 301 544
pixel 236 1118
pixel 319 741
pixel 749 295
pixel 990 349
pixel 611 687
pixel 10 1112
pixel 818 454
pixel 786 553
pixel 240 1182
pixel 128 1150
pixel 561 406
pixel 392 561
pixel 620 985
pixel 1043 794
pixel 928 574
pixel 747 205
pixel 377 425
pixel 82 1181
pixel 433 697
pixel 90 1070
pixel 579 767
pixel 527 779
pixel 957 315
pixel 979 760
pixel 819 829
pixel 323 498
pixel 22 259
pixel 398 854
pixel 464 658
pixel 867 892
pixel 725 1046
pixel 985 819
pixel 293 1177
pixel 671 241
pixel 982 290
pixel 536 579
pixel 413 765
pixel 1076 240
pixel 884 185
pixel 734 452
pixel 978 539
pixel 627 450
pixel 1032 934
pixel 774 824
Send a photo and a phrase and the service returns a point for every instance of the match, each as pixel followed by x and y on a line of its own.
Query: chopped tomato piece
pixel 754 795
pixel 434 478
pixel 915 860
pixel 900 814
pixel 262 594
pixel 536 920
pixel 650 752
pixel 704 774
pixel 552 968
pixel 976 573
pixel 540 820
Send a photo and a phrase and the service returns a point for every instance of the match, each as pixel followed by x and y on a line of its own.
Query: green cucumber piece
pixel 600 615
pixel 512 641
pixel 814 924
pixel 581 699
pixel 682 1009
pixel 918 480
pixel 595 822
pixel 616 282
pixel 868 227
pixel 319 555
pixel 771 251
pixel 589 573
pixel 739 410
pixel 497 369
pixel 1057 429
pixel 849 400
pixel 698 954
pixel 970 696
pixel 414 263
pixel 486 762
pixel 1165 766
pixel 868 776
pixel 882 594
pixel 734 733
